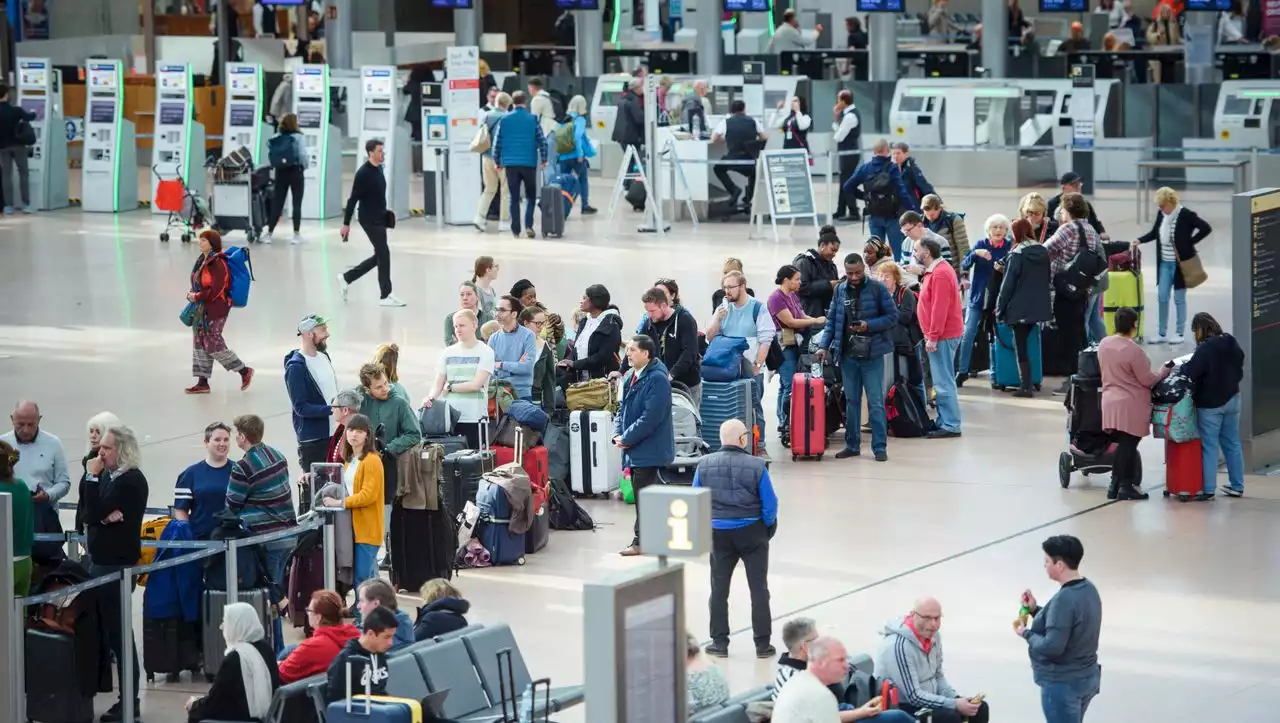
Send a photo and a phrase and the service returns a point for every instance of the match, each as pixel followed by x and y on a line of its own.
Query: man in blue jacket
pixel 518 151
pixel 643 428
pixel 312 385
pixel 858 336
pixel 885 193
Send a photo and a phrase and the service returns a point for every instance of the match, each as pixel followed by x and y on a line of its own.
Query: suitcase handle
pixel 507 677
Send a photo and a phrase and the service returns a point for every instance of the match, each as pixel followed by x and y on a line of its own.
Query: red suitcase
pixel 808 417
pixel 536 464
pixel 1183 470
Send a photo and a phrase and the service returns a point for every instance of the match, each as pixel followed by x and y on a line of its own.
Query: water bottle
pixel 696 125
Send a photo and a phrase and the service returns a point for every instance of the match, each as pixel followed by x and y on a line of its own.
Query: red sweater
pixel 939 305
pixel 314 655
pixel 211 280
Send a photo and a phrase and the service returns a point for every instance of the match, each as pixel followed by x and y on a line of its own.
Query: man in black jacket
pixel 361 665
pixel 1072 183
pixel 675 333
pixel 818 273
pixel 628 127
pixel 369 192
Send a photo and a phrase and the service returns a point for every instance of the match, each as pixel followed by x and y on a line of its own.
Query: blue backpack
pixel 283 151
pixel 240 271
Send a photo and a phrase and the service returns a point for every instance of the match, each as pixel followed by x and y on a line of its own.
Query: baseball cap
pixel 310 322
pixel 1069 177
pixel 349 398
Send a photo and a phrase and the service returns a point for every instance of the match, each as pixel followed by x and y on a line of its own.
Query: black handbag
pixel 856 346
pixel 773 362
pixel 390 217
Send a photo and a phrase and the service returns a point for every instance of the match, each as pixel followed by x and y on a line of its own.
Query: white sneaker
pixel 1176 339
pixel 265 238
pixel 1160 340
pixel 343 286
pixel 296 239
pixel 481 224
pixel 391 300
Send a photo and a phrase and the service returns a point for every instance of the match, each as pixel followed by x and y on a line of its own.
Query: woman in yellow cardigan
pixel 362 476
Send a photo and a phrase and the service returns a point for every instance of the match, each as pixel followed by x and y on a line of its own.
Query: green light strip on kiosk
pixel 119 124
pixel 186 129
pixel 324 130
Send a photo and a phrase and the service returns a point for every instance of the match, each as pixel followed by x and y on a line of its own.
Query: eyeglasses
pixel 731 287
pixel 930 618
pixel 535 322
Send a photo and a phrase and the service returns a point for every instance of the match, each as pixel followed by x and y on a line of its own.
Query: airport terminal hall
pixel 639 361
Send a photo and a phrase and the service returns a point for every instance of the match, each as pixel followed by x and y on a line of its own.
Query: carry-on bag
pixel 370 708
pixel 1088 365
pixel 594 463
pixel 169 646
pixel 904 412
pixel 1125 290
pixel 535 463
pixel 1005 370
pixel 1183 469
pixel 808 416
pixel 494 528
pixel 462 472
pixel 1084 403
pixel 306 575
pixel 1056 359
pixel 451 443
pixel 410 546
pixel 53 685
pixel 517 708
pixel 722 401
pixel 551 202
pixel 211 614
pixel 1175 422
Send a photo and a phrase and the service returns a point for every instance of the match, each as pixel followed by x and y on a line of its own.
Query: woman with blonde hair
pixel 97 427
pixel 985 264
pixel 1035 210
pixel 577 161
pixel 1163 31
pixel 388 355
pixel 1177 230
pixel 444 610
pixel 907 335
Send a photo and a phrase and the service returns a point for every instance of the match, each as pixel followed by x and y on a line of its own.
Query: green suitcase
pixel 1125 290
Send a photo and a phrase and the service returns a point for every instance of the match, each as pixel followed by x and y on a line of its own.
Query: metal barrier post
pixel 17 673
pixel 330 561
pixel 833 191
pixel 233 573
pixel 126 646
pixel 442 178
pixel 10 686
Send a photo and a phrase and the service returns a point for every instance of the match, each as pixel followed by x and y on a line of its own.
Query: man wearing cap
pixel 1071 182
pixel 312 384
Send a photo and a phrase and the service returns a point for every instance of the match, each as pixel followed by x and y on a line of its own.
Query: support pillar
pixel 652 24
pixel 224 39
pixel 995 38
pixel 1201 33
pixel 884 46
pixel 387 24
pixel 468 26
pixel 710 46
pixel 589 28
pixel 149 35
pixel 337 33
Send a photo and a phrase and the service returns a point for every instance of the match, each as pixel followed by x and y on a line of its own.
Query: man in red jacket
pixel 940 319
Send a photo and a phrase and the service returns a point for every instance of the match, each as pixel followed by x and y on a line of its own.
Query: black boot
pixel 1024 370
pixel 1114 489
pixel 1131 492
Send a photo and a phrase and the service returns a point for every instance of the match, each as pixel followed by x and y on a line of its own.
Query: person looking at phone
pixel 1062 636
pixel 910 657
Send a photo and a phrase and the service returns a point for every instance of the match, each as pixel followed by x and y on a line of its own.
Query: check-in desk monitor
pixel 40 93
pixel 604 117
pixel 178 144
pixel 1247 115
pixel 110 166
pixel 242 123
pixel 382 118
pixel 918 119
pixel 311 103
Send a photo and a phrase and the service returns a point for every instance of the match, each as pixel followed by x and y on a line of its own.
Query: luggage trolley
pixel 240 194
pixel 187 209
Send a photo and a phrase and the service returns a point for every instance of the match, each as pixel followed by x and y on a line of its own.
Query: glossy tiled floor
pixel 88 307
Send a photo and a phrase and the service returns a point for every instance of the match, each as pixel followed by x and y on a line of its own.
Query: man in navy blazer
pixel 643 429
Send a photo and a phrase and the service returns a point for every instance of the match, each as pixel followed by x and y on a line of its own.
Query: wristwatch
pixel 448 387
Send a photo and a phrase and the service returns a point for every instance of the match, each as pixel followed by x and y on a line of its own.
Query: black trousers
pixel 949 715
pixel 1127 467
pixel 522 178
pixel 1021 335
pixel 846 203
pixel 641 477
pixel 289 180
pixel 381 258
pixel 1068 316
pixel 751 546
pixel 113 631
pixel 723 170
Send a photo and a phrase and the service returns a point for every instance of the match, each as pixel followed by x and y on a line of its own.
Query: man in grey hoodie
pixel 377 593
pixel 1062 637
pixel 910 657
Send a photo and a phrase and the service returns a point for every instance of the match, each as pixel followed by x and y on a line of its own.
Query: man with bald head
pixel 43 466
pixel 910 657
pixel 744 517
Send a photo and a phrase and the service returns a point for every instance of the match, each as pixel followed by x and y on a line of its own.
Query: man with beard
pixel 43 466
pixel 312 385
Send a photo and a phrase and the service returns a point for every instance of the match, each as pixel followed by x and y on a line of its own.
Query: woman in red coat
pixel 1127 380
pixel 210 292
pixel 314 655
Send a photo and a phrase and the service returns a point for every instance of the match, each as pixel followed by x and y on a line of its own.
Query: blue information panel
pixel 746 6
pixel 1213 5
pixel 880 6
pixel 455 4
pixel 578 4
pixel 1064 6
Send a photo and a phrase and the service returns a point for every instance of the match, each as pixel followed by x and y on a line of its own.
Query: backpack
pixel 240 272
pixel 882 194
pixel 1085 270
pixel 282 151
pixel 565 512
pixel 565 140
pixel 557 105
pixel 23 133
pixel 1175 422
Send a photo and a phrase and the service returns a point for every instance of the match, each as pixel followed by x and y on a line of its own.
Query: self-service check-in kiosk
pixel 40 93
pixel 179 139
pixel 435 147
pixel 1247 116
pixel 604 116
pixel 382 118
pixel 110 169
pixel 242 126
pixel 323 198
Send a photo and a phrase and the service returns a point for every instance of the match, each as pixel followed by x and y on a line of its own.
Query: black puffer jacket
pixel 816 275
pixel 1024 293
pixel 603 348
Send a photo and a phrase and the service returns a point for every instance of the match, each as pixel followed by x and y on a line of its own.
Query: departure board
pixel 746 6
pixel 1265 304
pixel 880 6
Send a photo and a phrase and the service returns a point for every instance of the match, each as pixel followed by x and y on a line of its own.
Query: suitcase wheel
pixel 998 387
pixel 1165 493
pixel 1064 470
pixel 520 561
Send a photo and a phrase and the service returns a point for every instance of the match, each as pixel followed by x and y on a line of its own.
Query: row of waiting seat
pixel 465 662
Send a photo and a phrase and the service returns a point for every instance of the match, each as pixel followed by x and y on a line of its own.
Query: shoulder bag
pixel 1193 273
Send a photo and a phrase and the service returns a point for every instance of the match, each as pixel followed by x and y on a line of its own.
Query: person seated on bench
pixel 365 657
pixel 706 685
pixel 313 655
pixel 910 657
pixel 444 612
pixel 742 134
pixel 807 697
pixel 248 677
pixel 797 635
pixel 378 593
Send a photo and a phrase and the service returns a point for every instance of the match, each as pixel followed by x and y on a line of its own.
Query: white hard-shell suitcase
pixel 595 465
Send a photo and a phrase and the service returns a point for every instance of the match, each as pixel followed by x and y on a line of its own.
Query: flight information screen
pixel 578 4
pixel 1064 6
pixel 746 6
pixel 880 6
pixel 455 4
pixel 650 643
pixel 1265 242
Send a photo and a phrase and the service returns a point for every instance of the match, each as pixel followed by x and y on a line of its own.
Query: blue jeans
pixel 790 361
pixel 285 652
pixel 1164 277
pixel 1220 429
pixel 757 404
pixel 578 167
pixel 888 230
pixel 1068 702
pixel 277 554
pixel 364 562
pixel 972 317
pixel 1093 323
pixel 864 375
pixel 942 363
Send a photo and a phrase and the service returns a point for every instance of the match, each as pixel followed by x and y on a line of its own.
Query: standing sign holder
pixel 462 93
pixel 652 209
pixel 783 176
pixel 1083 110
pixel 674 159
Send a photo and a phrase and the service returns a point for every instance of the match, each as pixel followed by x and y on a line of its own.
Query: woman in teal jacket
pixel 575 161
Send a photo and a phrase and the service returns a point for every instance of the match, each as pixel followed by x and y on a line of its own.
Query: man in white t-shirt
pixel 462 377
pixel 805 698
pixel 312 384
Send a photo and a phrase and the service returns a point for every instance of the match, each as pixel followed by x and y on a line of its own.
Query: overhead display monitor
pixel 578 4
pixel 746 6
pixel 1064 6
pixel 880 6
pixel 454 4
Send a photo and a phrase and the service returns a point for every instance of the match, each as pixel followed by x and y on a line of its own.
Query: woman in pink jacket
pixel 1127 380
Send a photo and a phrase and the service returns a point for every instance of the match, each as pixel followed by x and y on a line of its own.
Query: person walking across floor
pixel 643 429
pixel 369 192
pixel 1215 370
pixel 211 296
pixel 1127 381
pixel 943 327
pixel 744 518
pixel 518 151
pixel 495 183
pixel 577 161
pixel 288 153
pixel 1177 230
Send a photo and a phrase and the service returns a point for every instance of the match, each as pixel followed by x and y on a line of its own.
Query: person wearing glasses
pixel 515 349
pixel 910 657
pixel 534 319
pixel 314 655
pixel 742 316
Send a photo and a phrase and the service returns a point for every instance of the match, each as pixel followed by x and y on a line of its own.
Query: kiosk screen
pixel 34 105
pixel 377 119
pixel 912 104
pixel 309 117
pixel 171 114
pixel 1235 105
pixel 102 111
pixel 242 116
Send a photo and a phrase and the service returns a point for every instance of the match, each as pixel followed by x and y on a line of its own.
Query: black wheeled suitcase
pixel 169 646
pixel 637 195
pixel 211 614
pixel 54 693
pixel 410 548
pixel 462 471
pixel 551 201
pixel 451 443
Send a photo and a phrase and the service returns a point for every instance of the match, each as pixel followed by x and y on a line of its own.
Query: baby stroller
pixel 689 445
pixel 1090 450
pixel 187 210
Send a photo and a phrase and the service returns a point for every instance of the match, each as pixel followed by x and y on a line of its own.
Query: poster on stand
pixel 461 100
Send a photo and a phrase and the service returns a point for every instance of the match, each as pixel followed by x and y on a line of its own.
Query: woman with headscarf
pixel 248 677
